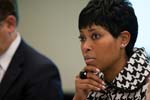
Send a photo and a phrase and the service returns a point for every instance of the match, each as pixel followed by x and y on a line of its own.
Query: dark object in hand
pixel 83 74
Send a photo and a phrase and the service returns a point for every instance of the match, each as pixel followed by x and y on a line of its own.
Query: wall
pixel 51 26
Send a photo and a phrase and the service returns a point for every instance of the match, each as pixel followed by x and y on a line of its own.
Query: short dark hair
pixel 114 15
pixel 8 7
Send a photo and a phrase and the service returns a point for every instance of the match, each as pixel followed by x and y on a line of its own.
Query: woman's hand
pixel 91 83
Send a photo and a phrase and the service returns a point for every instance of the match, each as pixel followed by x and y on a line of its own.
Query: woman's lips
pixel 89 61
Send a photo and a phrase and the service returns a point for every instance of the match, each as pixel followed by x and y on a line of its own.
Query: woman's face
pixel 99 48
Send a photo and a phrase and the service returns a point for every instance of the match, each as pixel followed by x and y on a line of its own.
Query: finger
pixel 89 84
pixel 92 69
pixel 95 78
pixel 89 87
pixel 94 83
pixel 91 76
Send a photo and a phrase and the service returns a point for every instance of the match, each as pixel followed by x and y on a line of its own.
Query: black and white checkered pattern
pixel 131 82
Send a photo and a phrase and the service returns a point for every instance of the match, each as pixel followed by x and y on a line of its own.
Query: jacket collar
pixel 135 73
pixel 12 72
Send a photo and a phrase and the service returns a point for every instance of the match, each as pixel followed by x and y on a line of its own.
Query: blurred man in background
pixel 25 74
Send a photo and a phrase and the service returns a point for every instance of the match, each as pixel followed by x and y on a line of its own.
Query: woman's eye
pixel 81 38
pixel 95 36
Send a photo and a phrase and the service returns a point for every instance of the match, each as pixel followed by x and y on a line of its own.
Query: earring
pixel 123 45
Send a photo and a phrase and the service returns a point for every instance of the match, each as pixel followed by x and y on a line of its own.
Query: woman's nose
pixel 86 46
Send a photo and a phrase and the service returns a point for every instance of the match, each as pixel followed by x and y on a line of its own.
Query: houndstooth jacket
pixel 132 82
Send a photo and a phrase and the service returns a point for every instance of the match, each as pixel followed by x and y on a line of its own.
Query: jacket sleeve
pixel 44 84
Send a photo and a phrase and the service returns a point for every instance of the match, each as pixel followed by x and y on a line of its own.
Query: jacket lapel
pixel 12 72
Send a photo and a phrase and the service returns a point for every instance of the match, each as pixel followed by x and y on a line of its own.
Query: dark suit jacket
pixel 30 76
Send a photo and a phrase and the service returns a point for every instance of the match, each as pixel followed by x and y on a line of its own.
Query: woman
pixel 114 69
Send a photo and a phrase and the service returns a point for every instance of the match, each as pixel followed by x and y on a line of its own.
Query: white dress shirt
pixel 6 58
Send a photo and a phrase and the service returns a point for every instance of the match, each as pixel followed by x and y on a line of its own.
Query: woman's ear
pixel 10 21
pixel 125 38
